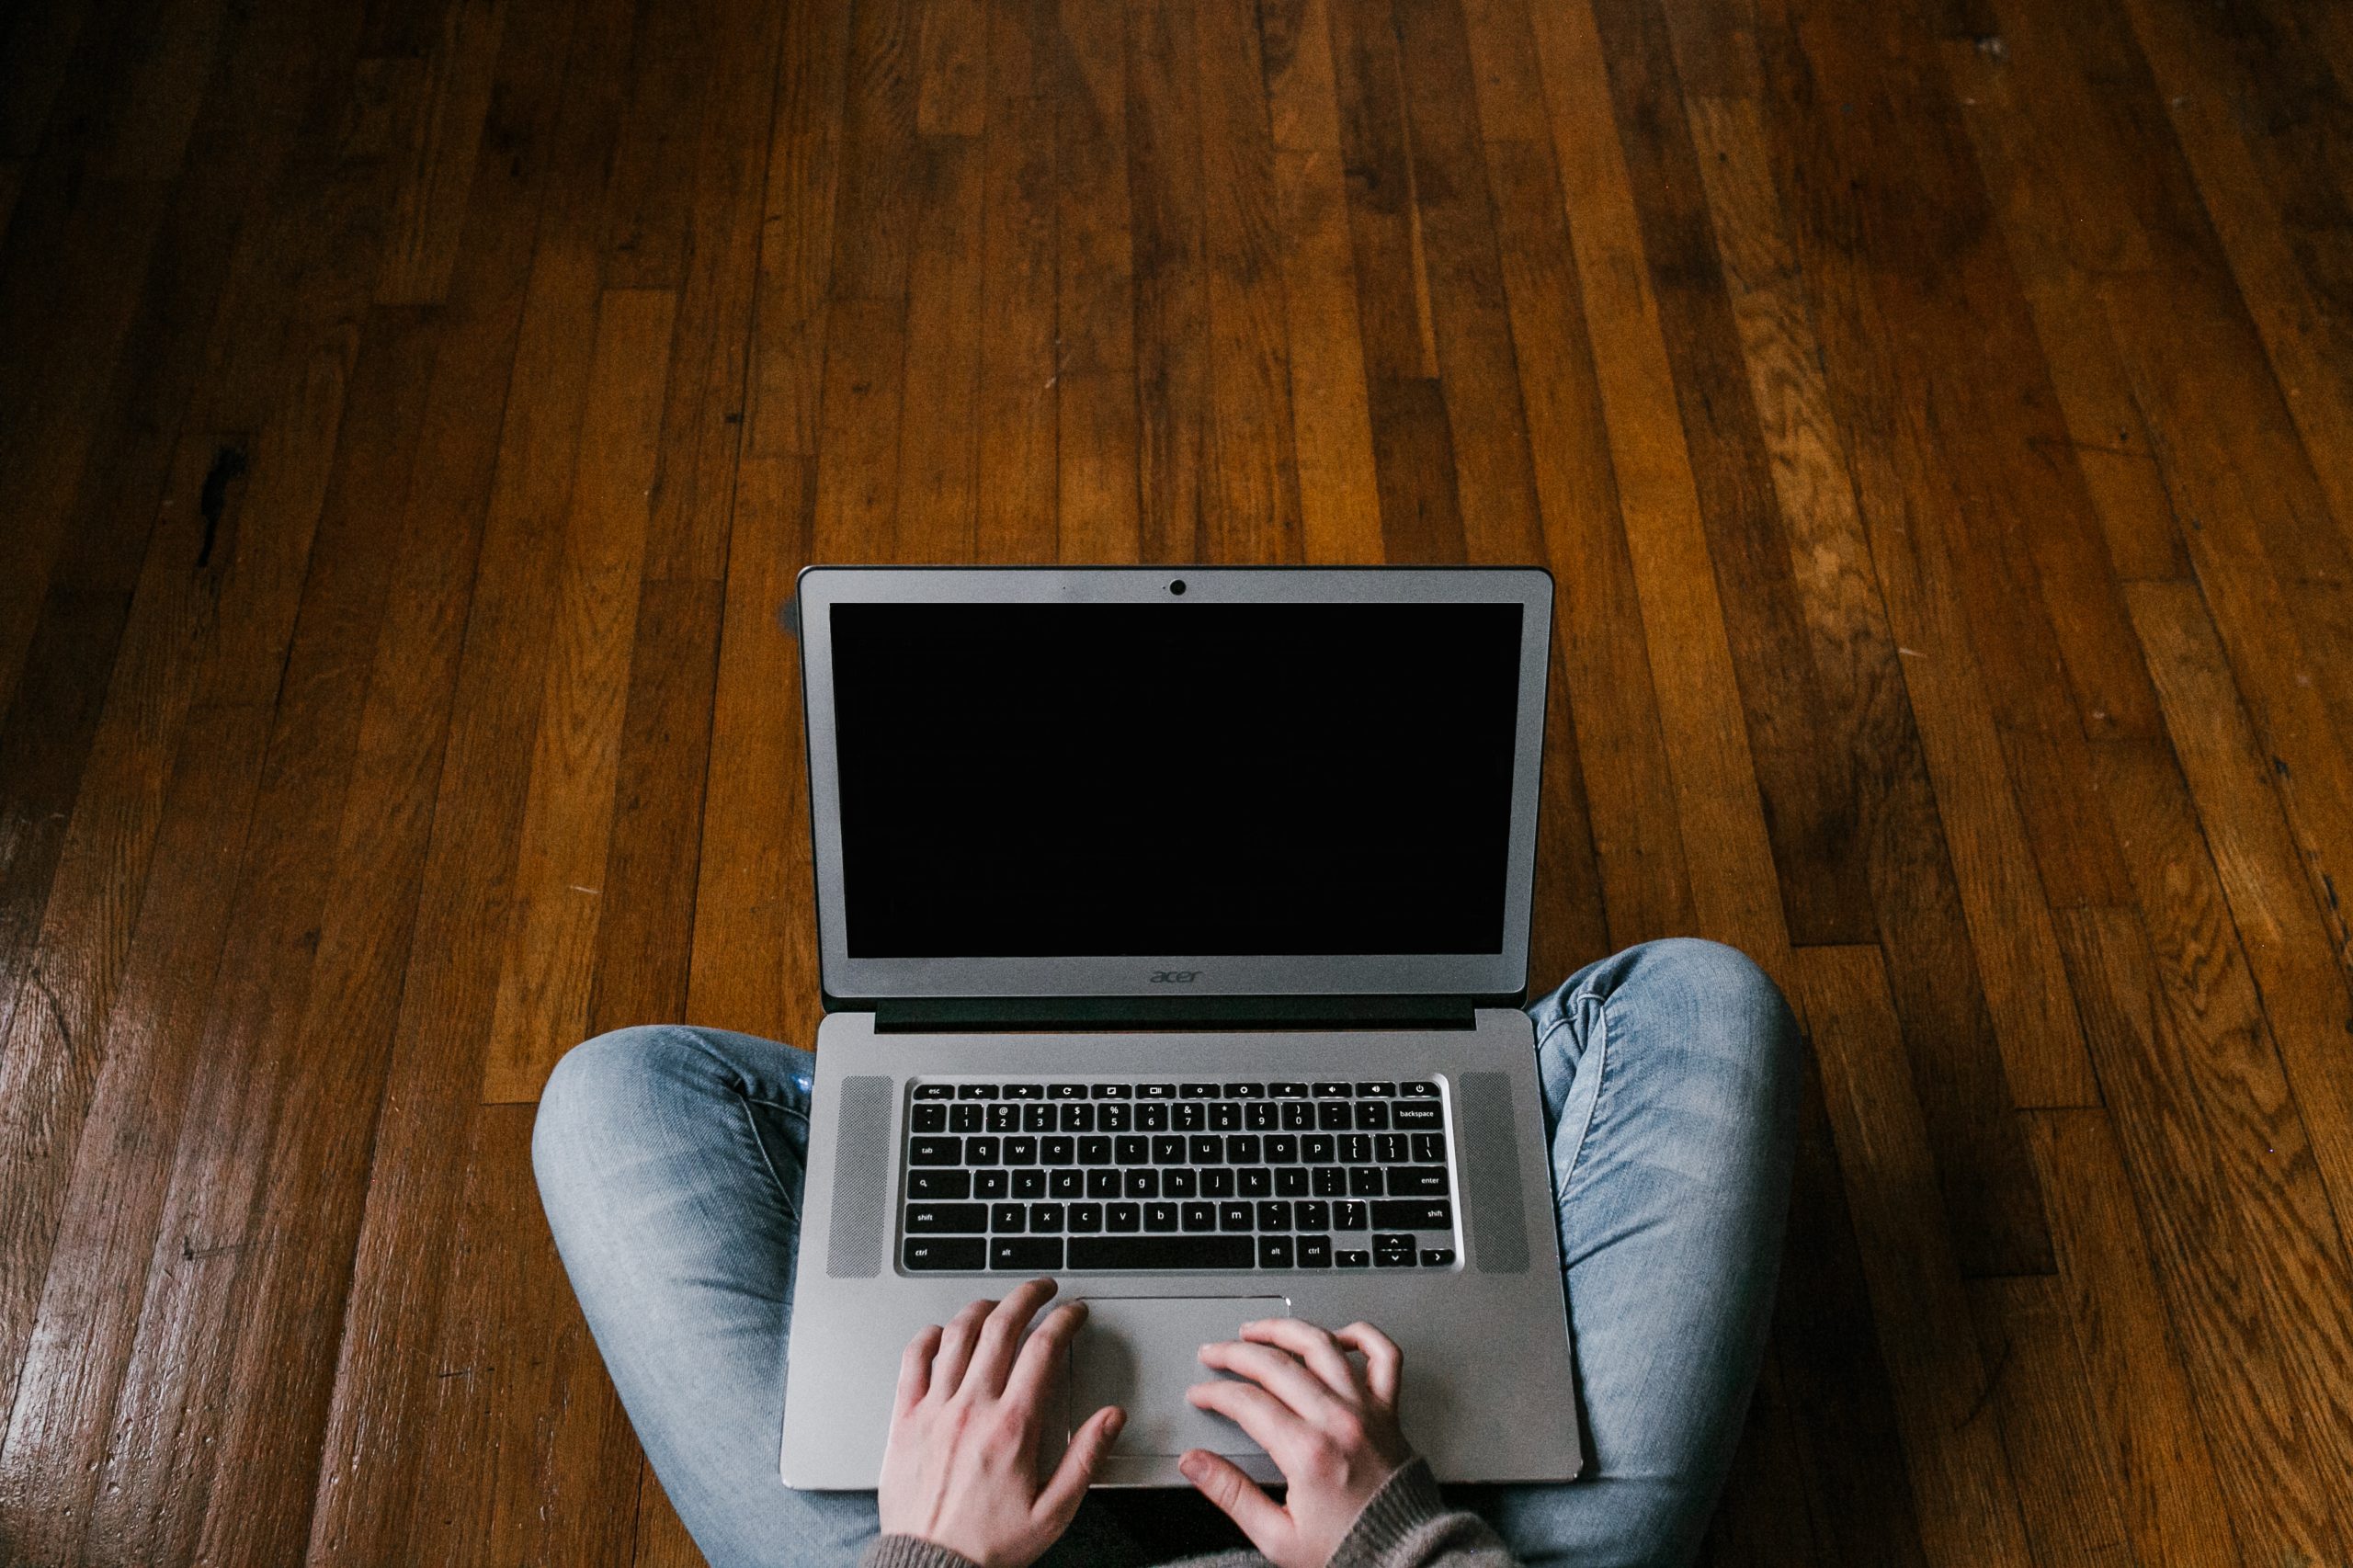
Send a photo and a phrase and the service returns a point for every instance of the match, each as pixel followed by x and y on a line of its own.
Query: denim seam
pixel 767 1162
pixel 1593 1108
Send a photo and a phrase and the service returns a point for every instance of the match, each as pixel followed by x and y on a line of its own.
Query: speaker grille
pixel 1497 1211
pixel 861 1159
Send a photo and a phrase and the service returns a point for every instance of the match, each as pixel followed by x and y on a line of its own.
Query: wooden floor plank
pixel 1019 430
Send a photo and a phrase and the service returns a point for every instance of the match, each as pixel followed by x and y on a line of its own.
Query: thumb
pixel 1221 1481
pixel 1059 1499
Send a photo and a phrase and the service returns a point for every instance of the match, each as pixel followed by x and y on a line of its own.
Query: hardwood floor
pixel 1937 416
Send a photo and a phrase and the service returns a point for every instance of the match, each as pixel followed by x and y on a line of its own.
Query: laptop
pixel 1172 926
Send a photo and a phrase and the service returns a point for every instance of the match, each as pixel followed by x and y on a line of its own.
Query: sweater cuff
pixel 1406 1501
pixel 910 1551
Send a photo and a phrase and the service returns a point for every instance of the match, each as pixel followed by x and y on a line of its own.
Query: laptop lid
pixel 1196 782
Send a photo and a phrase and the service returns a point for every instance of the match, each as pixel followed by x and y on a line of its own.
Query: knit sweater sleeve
pixel 910 1551
pixel 1408 1525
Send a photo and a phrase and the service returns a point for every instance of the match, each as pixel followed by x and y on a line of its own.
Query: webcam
pixel 1178 586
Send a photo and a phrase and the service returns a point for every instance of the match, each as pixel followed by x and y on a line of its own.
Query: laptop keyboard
pixel 1044 1177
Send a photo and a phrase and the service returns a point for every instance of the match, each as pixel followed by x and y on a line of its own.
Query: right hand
pixel 1330 1427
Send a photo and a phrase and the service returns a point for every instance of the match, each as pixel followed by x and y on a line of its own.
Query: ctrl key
pixel 932 1254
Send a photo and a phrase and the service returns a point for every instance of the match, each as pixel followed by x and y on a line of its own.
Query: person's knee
pixel 591 1093
pixel 1725 1003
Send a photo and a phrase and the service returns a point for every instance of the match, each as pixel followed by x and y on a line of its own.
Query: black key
pixel 1122 1216
pixel 1420 1091
pixel 1189 1117
pixel 976 1091
pixel 1159 1251
pixel 1416 1181
pixel 1349 1217
pixel 1314 1215
pixel 1036 1119
pixel 1246 1091
pixel 1328 1181
pixel 1379 1087
pixel 935 1091
pixel 1258 1182
pixel 1031 1254
pixel 1282 1148
pixel 1025 1091
pixel 1413 1214
pixel 1085 1217
pixel 1317 1148
pixel 1206 1150
pixel 1393 1252
pixel 1335 1116
pixel 1217 1182
pixel 1004 1117
pixel 1262 1117
pixel 1233 1216
pixel 1372 1116
pixel 936 1151
pixel 1007 1217
pixel 1287 1091
pixel 1078 1117
pixel 939 1184
pixel 979 1150
pixel 949 1219
pixel 1416 1118
pixel 1200 1216
pixel 1291 1181
pixel 1143 1184
pixel 1094 1150
pixel 1152 1118
pixel 1155 1091
pixel 1031 1183
pixel 1225 1116
pixel 1160 1216
pixel 1197 1091
pixel 1364 1181
pixel 1022 1150
pixel 1438 1258
pixel 1274 1252
pixel 1356 1149
pixel 1388 1148
pixel 1298 1116
pixel 1115 1118
pixel 929 1119
pixel 1046 1217
pixel 1066 1183
pixel 990 1184
pixel 1179 1183
pixel 944 1252
pixel 1331 1091
pixel 1113 1092
pixel 1103 1184
pixel 1134 1148
pixel 1316 1252
pixel 1429 1148
pixel 1168 1148
pixel 1242 1150
pixel 1066 1091
pixel 964 1117
pixel 1274 1215
pixel 1059 1150
pixel 1353 1260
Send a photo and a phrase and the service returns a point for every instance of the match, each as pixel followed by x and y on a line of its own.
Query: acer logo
pixel 1175 976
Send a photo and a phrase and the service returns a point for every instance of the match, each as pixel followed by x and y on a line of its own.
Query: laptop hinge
pixel 932 1013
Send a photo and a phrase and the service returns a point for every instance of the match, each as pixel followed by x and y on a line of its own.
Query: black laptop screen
pixel 1088 781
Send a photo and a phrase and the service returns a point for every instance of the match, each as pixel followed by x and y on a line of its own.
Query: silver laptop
pixel 1172 926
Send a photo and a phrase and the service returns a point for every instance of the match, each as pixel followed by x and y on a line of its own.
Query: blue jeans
pixel 670 1162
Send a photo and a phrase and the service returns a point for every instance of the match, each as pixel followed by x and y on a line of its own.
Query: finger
pixel 1063 1493
pixel 1277 1372
pixel 1239 1498
pixel 915 1368
pixel 1383 1362
pixel 1045 1353
pixel 1314 1346
pixel 1001 1335
pixel 1268 1421
pixel 956 1348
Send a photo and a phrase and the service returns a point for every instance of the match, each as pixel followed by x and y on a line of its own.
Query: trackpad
pixel 1143 1352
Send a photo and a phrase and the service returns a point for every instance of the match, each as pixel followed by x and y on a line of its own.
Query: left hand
pixel 961 1469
